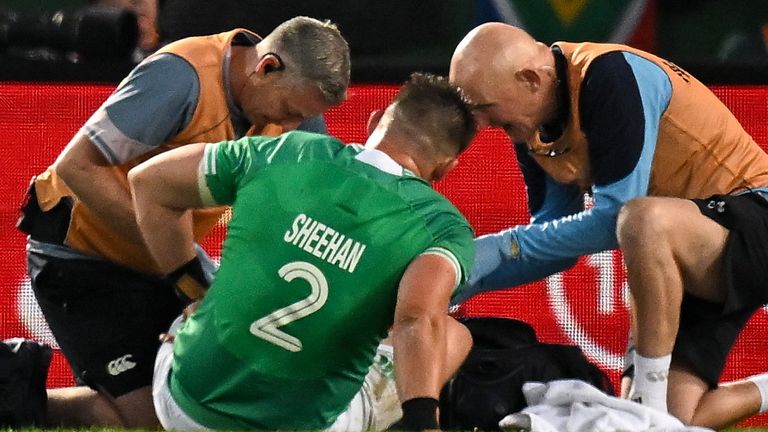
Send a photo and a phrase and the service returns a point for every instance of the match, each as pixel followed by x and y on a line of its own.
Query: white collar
pixel 380 160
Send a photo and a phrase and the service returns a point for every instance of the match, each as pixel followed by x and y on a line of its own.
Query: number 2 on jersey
pixel 267 327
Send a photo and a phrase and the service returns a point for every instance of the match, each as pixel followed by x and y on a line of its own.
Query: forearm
pixel 167 232
pixel 420 336
pixel 164 190
pixel 519 254
pixel 420 349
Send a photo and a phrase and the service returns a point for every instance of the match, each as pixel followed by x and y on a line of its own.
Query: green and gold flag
pixel 551 20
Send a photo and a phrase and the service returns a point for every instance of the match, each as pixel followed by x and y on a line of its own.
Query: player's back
pixel 320 236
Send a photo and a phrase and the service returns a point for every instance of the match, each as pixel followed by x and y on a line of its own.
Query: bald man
pixel 678 186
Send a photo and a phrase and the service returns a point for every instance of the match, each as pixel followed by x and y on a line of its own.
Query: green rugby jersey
pixel 320 236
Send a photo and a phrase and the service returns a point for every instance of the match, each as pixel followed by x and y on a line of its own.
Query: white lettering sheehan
pixel 324 242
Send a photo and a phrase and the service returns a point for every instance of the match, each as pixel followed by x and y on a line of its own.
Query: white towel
pixel 576 406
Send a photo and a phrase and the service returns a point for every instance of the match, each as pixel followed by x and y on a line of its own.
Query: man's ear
pixel 269 62
pixel 373 120
pixel 530 78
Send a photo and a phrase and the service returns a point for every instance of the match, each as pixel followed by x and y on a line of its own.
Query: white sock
pixel 649 386
pixel 761 381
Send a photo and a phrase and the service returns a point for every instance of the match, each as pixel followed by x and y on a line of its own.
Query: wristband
pixel 419 414
pixel 189 281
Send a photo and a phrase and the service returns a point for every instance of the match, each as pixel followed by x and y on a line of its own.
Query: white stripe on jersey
pixel 207 166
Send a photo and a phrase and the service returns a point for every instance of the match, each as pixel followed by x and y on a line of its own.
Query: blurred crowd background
pixel 727 40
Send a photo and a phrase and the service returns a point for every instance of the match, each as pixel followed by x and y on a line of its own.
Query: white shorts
pixel 168 412
pixel 375 407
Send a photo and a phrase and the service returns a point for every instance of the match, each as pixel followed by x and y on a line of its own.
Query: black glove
pixel 189 281
pixel 418 414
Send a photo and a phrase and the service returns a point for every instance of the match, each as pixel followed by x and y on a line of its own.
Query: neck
pixel 240 62
pixel 380 141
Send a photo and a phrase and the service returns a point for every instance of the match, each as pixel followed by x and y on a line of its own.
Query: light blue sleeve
pixel 525 253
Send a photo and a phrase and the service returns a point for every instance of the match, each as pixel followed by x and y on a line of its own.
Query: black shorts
pixel 709 330
pixel 106 318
